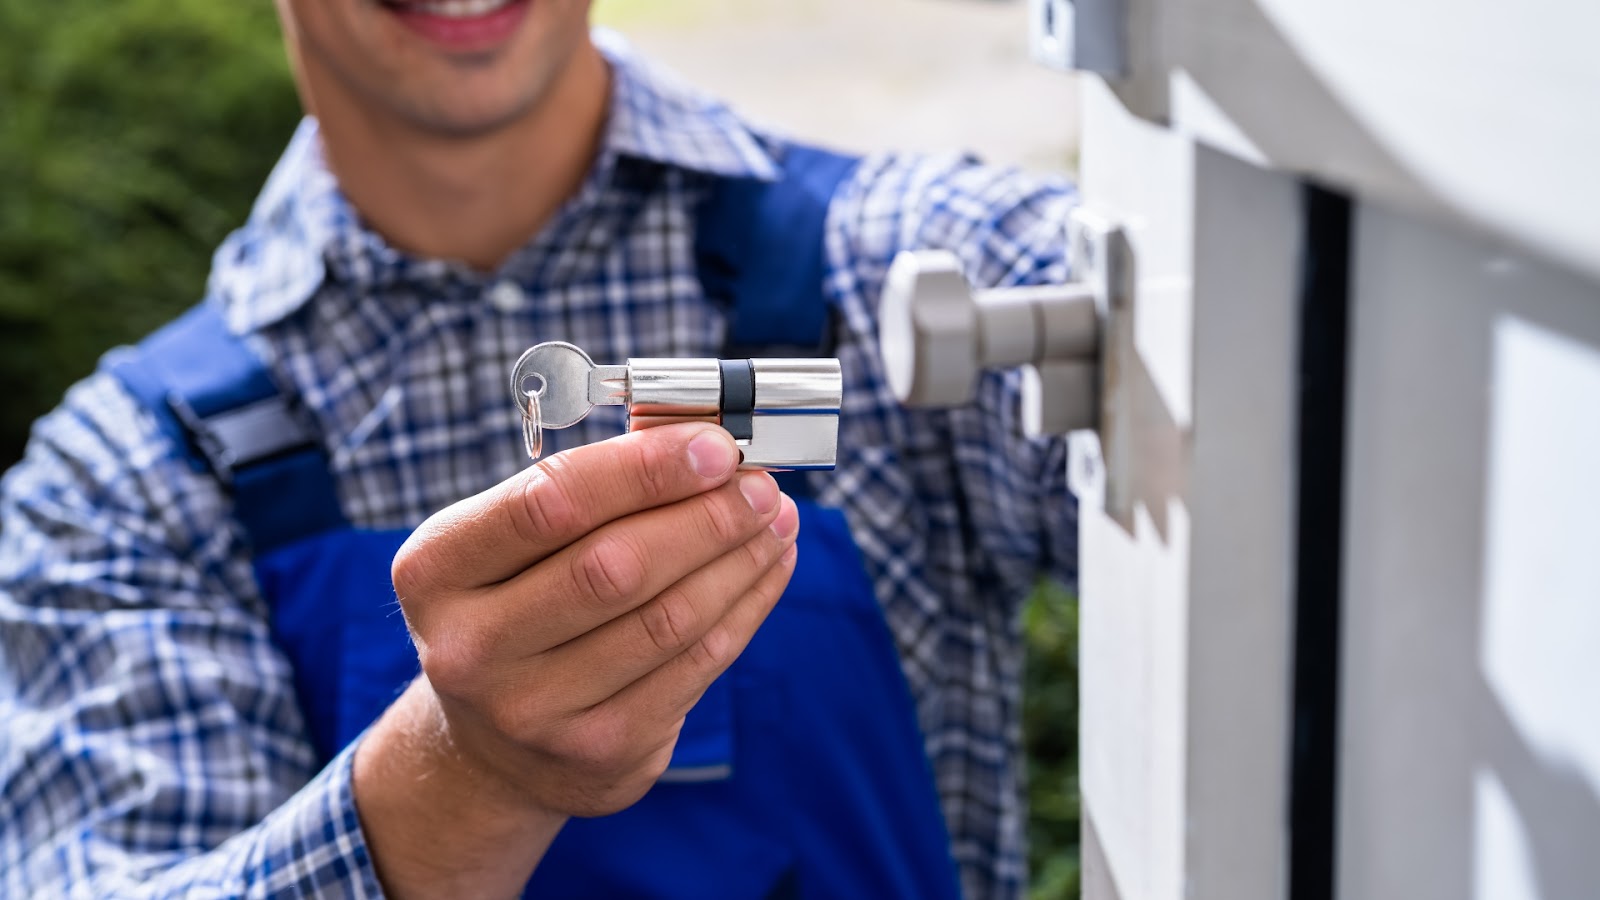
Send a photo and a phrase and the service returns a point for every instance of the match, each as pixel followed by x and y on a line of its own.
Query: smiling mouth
pixel 450 9
pixel 461 26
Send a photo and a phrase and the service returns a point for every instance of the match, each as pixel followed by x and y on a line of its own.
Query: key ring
pixel 532 423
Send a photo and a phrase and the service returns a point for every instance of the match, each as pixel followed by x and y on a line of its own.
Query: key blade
pixel 608 385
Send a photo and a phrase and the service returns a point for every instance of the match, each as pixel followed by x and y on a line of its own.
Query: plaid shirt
pixel 152 743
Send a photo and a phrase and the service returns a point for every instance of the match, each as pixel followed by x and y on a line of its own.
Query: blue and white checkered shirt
pixel 152 744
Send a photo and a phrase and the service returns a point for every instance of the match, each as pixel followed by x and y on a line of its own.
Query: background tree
pixel 133 136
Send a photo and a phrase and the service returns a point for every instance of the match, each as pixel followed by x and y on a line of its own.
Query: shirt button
pixel 507 297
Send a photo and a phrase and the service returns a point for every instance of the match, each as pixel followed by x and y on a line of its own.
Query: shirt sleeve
pixel 1008 229
pixel 152 745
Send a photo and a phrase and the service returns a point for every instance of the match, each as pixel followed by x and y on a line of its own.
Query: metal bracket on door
pixel 1079 35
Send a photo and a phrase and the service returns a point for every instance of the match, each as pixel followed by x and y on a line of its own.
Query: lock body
pixel 783 413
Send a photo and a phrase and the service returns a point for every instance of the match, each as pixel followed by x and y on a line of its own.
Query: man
pixel 184 704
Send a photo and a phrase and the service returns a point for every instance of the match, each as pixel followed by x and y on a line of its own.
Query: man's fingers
pixel 497 534
pixel 601 577
pixel 631 646
pixel 620 567
pixel 666 695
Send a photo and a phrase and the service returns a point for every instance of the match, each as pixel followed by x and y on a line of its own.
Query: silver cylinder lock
pixel 782 413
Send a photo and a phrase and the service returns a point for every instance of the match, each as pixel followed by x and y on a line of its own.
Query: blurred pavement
pixel 870 74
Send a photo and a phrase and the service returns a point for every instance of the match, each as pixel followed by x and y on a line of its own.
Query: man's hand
pixel 566 621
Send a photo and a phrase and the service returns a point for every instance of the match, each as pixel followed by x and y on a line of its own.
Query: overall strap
pixel 214 398
pixel 759 252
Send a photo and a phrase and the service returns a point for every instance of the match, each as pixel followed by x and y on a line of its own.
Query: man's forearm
pixel 435 825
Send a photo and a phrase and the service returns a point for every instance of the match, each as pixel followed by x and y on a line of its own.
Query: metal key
pixel 567 383
pixel 783 413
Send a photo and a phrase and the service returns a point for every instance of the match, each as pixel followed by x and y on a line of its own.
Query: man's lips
pixel 462 26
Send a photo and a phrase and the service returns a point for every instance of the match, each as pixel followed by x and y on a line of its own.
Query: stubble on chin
pixel 377 70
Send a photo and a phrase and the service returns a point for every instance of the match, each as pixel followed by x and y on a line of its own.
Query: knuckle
pixel 669 621
pixel 725 519
pixel 716 648
pixel 650 466
pixel 451 663
pixel 609 570
pixel 770 589
pixel 759 552
pixel 411 570
pixel 597 743
pixel 787 562
pixel 565 744
pixel 544 505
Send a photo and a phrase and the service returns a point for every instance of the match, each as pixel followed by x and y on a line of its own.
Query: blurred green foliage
pixel 1050 735
pixel 133 136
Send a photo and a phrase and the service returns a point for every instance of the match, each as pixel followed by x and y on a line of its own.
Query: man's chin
pixel 465 115
pixel 437 88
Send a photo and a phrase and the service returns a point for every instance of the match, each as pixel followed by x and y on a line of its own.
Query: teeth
pixel 459 9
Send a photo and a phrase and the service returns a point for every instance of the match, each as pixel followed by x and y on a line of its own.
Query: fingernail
pixel 787 522
pixel 712 455
pixel 760 491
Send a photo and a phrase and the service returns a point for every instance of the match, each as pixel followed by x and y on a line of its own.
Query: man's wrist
pixel 435 821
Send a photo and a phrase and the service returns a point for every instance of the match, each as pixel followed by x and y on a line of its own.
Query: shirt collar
pixel 302 227
pixel 657 116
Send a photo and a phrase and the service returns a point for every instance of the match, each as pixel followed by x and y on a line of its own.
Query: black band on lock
pixel 738 397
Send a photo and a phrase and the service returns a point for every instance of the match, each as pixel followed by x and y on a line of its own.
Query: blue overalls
pixel 801 773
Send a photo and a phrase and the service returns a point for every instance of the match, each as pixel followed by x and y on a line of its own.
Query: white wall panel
pixel 1471 754
pixel 1185 617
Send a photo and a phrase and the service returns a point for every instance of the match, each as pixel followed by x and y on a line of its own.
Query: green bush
pixel 133 136
pixel 1050 735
